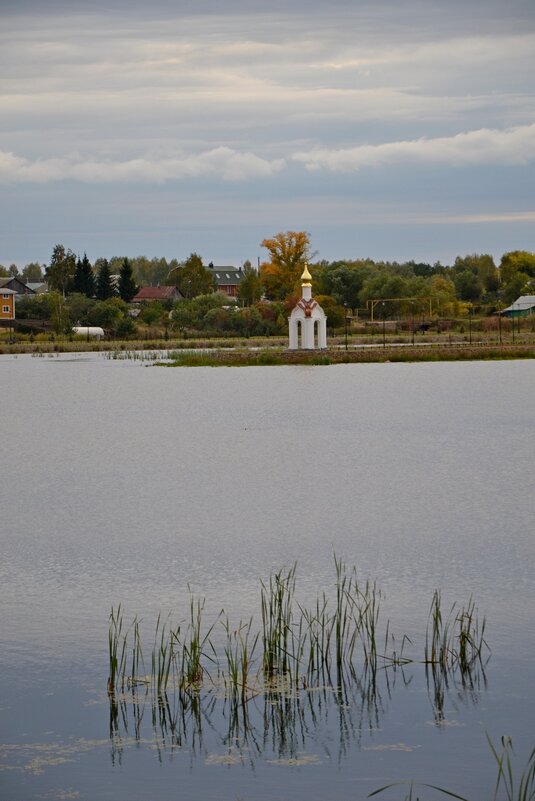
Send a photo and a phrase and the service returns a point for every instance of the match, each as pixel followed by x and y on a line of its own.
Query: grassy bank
pixel 263 351
pixel 433 353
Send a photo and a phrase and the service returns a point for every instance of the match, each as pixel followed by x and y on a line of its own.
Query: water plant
pixel 297 647
pixel 524 790
pixel 521 790
pixel 458 639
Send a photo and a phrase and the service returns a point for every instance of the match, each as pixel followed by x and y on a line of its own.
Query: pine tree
pixel 104 286
pixel 84 279
pixel 127 284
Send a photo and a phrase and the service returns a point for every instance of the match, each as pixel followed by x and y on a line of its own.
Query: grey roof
pixel 20 287
pixel 226 275
pixel 523 303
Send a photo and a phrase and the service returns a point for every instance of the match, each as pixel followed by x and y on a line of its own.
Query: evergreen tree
pixel 127 284
pixel 104 286
pixel 84 279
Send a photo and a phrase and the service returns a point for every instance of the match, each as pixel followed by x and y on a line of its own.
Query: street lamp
pixel 384 329
pixel 346 318
pixel 513 321
pixel 470 324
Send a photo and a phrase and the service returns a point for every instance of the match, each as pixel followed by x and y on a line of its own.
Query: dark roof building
pixel 226 278
pixel 16 285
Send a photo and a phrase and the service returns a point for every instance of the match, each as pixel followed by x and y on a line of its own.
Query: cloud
pixel 512 147
pixel 222 162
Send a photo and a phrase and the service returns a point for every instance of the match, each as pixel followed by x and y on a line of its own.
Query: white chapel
pixel 308 321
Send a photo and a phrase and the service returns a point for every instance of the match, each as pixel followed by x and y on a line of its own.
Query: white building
pixel 308 321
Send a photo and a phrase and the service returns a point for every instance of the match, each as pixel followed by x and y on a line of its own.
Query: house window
pixel 5 296
pixel 6 309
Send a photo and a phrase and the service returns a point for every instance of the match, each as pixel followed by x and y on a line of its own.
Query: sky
pixel 386 130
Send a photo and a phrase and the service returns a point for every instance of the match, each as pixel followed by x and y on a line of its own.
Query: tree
pixel 84 278
pixel 13 270
pixel 60 272
pixel 192 278
pixel 443 296
pixel 468 285
pixel 108 313
pixel 250 286
pixel 481 265
pixel 127 284
pixel 517 286
pixel 104 285
pixel 288 253
pixel 344 284
pixel 32 272
pixel 517 261
pixel 191 313
pixel 152 312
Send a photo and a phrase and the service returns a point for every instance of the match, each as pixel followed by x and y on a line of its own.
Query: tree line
pixel 99 293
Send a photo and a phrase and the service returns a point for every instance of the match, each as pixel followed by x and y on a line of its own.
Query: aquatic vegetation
pixel 296 647
pixel 458 639
pixel 522 789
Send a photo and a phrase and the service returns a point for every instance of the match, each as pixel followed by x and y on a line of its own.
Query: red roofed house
pixel 148 293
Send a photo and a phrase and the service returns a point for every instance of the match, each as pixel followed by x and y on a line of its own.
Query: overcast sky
pixel 390 130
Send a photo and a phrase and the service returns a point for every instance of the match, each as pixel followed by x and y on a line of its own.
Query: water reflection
pixel 458 687
pixel 281 723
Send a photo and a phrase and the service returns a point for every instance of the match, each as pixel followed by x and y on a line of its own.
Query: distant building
pixel 148 293
pixel 227 279
pixel 524 306
pixel 18 286
pixel 39 287
pixel 7 303
pixel 307 322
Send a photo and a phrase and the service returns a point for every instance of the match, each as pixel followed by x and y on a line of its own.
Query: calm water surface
pixel 128 483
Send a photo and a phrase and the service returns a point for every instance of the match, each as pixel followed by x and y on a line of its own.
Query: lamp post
pixel 412 313
pixel 384 329
pixel 470 324
pixel 513 321
pixel 346 318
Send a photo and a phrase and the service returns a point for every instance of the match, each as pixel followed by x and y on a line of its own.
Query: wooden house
pixel 7 303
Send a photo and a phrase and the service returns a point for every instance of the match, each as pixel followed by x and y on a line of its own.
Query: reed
pixel 276 606
pixel 296 647
pixel 117 653
pixel 239 652
pixel 524 790
pixel 455 640
pixel 521 790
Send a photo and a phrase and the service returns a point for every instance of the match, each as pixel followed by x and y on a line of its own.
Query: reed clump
pixel 294 647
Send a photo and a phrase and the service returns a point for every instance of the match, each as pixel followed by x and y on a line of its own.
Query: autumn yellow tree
pixel 288 253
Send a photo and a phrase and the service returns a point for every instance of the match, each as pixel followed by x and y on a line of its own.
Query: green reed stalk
pixel 526 784
pixel 458 640
pixel 117 650
pixel 276 606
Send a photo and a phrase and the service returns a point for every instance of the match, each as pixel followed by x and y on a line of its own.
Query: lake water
pixel 126 483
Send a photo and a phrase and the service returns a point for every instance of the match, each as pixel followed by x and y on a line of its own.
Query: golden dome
pixel 306 278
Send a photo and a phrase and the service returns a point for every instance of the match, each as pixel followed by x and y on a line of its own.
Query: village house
pixel 7 305
pixel 227 279
pixel 15 284
pixel 148 293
